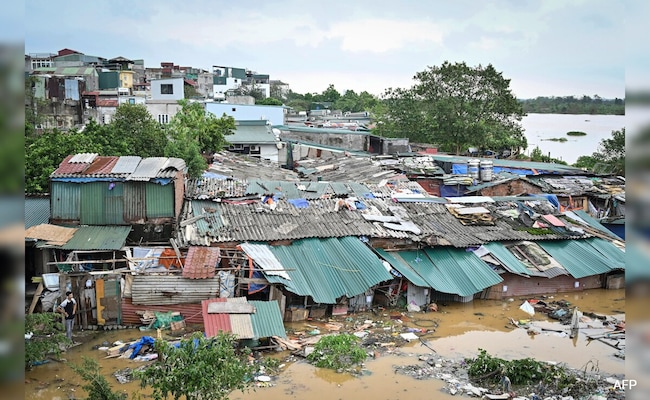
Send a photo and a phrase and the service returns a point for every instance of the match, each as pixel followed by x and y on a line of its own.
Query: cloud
pixel 384 35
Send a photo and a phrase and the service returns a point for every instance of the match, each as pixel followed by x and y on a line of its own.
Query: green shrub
pixel 337 352
pixel 47 339
pixel 576 133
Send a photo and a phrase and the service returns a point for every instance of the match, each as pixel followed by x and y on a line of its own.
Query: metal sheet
pixel 170 289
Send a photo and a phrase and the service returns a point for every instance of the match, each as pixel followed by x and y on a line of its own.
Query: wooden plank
pixel 99 293
pixel 37 295
pixel 228 307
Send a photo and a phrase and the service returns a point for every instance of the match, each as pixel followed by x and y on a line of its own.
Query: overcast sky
pixel 546 48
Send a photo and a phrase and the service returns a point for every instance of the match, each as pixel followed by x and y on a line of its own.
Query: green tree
pixel 587 162
pixel 200 368
pixel 457 106
pixel 137 131
pixel 96 385
pixel 612 152
pixel 193 132
pixel 269 101
pixel 330 94
pixel 48 336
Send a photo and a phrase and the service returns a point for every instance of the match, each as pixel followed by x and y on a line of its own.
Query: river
pixel 539 128
pixel 463 328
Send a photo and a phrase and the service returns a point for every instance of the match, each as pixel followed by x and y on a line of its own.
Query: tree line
pixel 574 105
pixel 190 134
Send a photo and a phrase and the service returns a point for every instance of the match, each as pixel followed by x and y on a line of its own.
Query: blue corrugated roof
pixel 577 257
pixel 516 164
pixel 327 269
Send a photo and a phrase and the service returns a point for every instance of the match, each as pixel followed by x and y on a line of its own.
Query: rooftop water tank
pixel 472 168
pixel 486 170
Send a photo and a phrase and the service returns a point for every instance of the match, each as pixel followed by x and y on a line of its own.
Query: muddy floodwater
pixel 456 331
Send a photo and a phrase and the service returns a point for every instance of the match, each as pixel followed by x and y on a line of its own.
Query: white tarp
pixel 265 259
pixel 527 308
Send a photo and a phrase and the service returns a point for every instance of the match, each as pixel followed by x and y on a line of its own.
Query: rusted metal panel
pixel 171 289
pixel 520 286
pixel 190 312
pixel 135 204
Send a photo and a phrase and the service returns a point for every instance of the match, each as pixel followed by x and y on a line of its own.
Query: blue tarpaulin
pixel 145 340
pixel 299 203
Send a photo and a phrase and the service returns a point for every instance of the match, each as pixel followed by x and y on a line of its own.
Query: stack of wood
pixel 471 215
pixel 147 317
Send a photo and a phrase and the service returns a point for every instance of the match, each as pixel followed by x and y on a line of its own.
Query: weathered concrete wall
pixel 520 286
pixel 512 188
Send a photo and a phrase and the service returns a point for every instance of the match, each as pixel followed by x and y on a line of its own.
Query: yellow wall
pixel 126 79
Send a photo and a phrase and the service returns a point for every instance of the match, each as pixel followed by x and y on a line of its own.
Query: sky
pixel 545 48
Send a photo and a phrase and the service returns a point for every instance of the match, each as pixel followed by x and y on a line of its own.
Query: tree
pixel 96 385
pixel 269 101
pixel 47 337
pixel 330 94
pixel 140 133
pixel 200 368
pixel 193 132
pixel 457 106
pixel 612 152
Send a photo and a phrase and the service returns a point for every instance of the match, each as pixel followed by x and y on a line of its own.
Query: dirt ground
pixel 445 337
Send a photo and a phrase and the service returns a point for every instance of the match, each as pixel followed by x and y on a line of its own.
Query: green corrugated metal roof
pixel 98 238
pixel 251 134
pixel 508 259
pixel 37 211
pixel 327 269
pixel 582 214
pixel 615 255
pixel 267 319
pixel 453 271
pixel 577 257
pixel 403 268
pixel 464 268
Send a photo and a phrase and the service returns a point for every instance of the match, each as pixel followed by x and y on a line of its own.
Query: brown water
pixel 462 328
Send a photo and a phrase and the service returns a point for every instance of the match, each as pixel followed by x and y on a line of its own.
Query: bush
pixel 576 133
pixel 47 337
pixel 96 385
pixel 337 352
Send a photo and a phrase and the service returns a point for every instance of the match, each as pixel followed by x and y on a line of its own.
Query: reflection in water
pixel 456 331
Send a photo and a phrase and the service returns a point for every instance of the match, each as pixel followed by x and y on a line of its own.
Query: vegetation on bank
pixel 46 337
pixel 576 133
pixel 338 352
pixel 574 105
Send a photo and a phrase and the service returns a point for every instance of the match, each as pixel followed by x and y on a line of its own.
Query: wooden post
pixel 37 295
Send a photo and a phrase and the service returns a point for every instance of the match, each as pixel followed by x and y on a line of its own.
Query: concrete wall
pixel 342 140
pixel 177 86
pixel 241 112
pixel 158 108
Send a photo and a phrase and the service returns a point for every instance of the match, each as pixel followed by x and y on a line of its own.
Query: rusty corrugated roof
pixel 201 262
pixel 68 167
pixel 213 323
pixel 191 313
pixel 101 165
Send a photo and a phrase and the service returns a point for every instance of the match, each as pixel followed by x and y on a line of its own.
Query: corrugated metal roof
pixel 267 319
pixel 175 164
pixel 98 238
pixel 85 158
pixel 67 167
pixel 403 268
pixel 37 211
pixel 172 289
pixel 540 166
pixel 101 165
pixel 262 254
pixel 126 165
pixel 615 255
pixel 148 169
pixel 578 257
pixel 508 259
pixel 450 270
pixel 327 269
pixel 288 190
pixel 589 220
pixel 201 262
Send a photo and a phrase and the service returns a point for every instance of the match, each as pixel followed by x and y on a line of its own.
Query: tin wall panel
pixel 170 289
pixel 135 205
pixel 114 204
pixel 92 203
pixel 65 200
pixel 160 200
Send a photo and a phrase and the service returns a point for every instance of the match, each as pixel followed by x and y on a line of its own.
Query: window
pixel 167 88
pixel 163 118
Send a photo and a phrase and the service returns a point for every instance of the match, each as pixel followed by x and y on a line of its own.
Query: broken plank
pixel 228 307
pixel 37 295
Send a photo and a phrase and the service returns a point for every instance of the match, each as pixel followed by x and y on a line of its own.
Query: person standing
pixel 69 308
